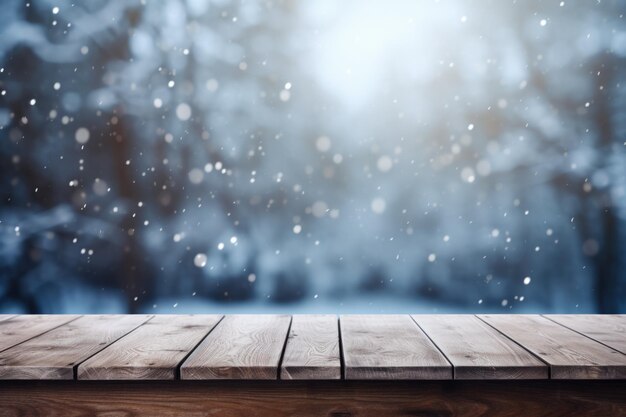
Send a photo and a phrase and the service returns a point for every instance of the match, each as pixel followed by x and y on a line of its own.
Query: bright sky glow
pixel 362 52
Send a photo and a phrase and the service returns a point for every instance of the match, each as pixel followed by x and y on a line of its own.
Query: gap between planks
pixel 153 351
pixel 29 327
pixel 569 354
pixel 596 327
pixel 477 351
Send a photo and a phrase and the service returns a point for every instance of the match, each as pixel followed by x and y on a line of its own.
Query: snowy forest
pixel 309 156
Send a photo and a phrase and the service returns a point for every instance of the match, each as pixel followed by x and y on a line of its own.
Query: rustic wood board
pixel 240 347
pixel 569 354
pixel 312 350
pixel 389 347
pixel 152 351
pixel 607 329
pixel 543 398
pixel 477 351
pixel 55 354
pixel 312 347
pixel 18 329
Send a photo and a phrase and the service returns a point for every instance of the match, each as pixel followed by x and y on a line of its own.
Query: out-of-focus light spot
pixel 467 175
pixel 323 144
pixel 384 163
pixel 183 111
pixel 319 208
pixel 196 176
pixel 82 135
pixel 378 205
pixel 200 260
pixel 285 95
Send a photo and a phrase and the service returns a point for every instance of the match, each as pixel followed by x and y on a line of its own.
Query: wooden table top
pixel 307 347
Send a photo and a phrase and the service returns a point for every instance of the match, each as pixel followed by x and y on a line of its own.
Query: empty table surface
pixel 312 347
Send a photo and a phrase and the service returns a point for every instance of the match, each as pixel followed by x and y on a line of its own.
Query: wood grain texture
pixel 54 354
pixel 569 354
pixel 240 347
pixel 152 351
pixel 605 328
pixel 312 350
pixel 17 329
pixel 389 347
pixel 477 351
pixel 314 399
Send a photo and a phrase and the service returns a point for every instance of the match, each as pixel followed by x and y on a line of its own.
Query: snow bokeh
pixel 312 156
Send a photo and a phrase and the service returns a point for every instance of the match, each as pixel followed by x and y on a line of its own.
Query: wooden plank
pixel 605 328
pixel 477 351
pixel 152 351
pixel 314 398
pixel 389 347
pixel 569 354
pixel 240 347
pixel 54 354
pixel 312 350
pixel 18 329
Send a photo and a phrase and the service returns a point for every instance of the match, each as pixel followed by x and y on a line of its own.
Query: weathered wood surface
pixel 17 329
pixel 477 351
pixel 55 354
pixel 569 354
pixel 314 398
pixel 152 351
pixel 389 347
pixel 605 328
pixel 312 347
pixel 312 350
pixel 240 347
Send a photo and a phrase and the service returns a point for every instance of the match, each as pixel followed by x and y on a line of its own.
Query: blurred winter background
pixel 304 156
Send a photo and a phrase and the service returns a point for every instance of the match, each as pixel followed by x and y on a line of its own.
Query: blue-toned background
pixel 338 156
